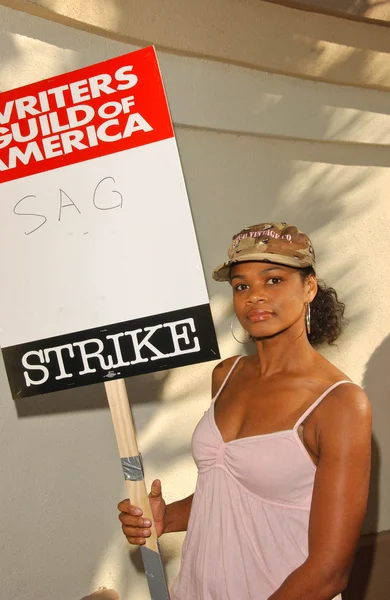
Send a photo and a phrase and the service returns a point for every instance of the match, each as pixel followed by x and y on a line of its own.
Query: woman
pixel 283 453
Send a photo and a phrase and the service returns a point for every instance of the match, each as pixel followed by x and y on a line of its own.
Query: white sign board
pixel 101 274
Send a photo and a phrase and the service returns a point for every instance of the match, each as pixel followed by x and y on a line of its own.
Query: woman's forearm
pixel 177 515
pixel 310 583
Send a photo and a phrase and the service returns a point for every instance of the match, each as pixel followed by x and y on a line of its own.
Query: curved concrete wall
pixel 255 145
pixel 258 34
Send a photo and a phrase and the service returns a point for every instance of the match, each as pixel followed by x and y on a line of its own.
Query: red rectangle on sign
pixel 98 110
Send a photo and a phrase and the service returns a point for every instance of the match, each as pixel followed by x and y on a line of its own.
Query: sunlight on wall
pixel 336 192
pixel 46 58
pixel 109 10
pixel 356 125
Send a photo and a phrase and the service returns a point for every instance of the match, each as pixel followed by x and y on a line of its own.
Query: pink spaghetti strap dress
pixel 248 528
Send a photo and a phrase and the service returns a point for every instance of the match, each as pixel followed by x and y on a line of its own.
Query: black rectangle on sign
pixel 155 343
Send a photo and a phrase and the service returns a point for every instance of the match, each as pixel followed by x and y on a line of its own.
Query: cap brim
pixel 222 272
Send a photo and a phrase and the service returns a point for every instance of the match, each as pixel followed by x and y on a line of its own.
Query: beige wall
pixel 260 138
pixel 261 35
pixel 368 10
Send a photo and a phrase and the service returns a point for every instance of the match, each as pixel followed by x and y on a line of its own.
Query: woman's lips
pixel 258 315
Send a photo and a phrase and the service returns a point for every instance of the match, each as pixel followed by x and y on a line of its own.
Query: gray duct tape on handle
pixel 132 468
pixel 155 574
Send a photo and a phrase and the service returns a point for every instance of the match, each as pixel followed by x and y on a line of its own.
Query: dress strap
pixel 317 402
pixel 227 377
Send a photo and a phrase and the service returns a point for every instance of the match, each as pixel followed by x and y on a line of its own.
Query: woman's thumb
pixel 155 489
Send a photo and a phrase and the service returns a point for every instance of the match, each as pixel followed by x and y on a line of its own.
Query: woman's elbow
pixel 338 584
pixel 333 579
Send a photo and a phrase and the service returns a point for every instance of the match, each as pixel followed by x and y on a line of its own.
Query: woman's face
pixel 270 298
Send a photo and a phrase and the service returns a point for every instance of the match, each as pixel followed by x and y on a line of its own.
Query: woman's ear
pixel 311 287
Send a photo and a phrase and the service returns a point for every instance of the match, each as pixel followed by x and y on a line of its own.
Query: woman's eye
pixel 240 287
pixel 274 280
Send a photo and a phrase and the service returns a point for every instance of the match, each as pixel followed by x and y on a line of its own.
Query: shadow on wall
pixel 363 565
pixel 140 389
pixel 312 198
pixel 300 38
pixel 376 383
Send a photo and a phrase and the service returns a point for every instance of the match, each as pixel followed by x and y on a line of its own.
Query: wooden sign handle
pixel 134 476
pixel 128 449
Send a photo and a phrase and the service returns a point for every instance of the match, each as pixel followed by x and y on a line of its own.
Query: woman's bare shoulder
pixel 348 398
pixel 346 406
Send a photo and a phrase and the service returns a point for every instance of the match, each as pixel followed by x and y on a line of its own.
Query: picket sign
pixel 103 278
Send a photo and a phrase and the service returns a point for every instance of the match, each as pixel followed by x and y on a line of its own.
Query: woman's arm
pixel 177 515
pixel 339 497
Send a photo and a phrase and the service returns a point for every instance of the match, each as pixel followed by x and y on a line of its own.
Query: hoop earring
pixel 232 332
pixel 307 318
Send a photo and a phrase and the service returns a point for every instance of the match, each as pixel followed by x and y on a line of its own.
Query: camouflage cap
pixel 278 243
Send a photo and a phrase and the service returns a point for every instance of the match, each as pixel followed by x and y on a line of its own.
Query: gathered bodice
pixel 274 467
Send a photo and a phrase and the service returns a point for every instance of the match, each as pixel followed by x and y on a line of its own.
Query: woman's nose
pixel 257 295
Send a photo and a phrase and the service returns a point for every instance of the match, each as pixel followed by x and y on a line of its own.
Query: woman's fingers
pixel 134 526
pixel 128 508
pixel 137 541
pixel 136 530
pixel 135 533
pixel 133 521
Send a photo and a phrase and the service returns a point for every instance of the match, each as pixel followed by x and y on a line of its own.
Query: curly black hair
pixel 326 313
